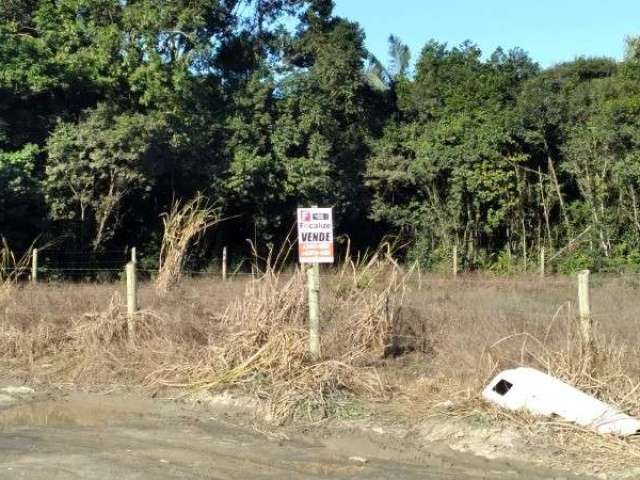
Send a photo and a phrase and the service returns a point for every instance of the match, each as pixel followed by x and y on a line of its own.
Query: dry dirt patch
pixel 125 436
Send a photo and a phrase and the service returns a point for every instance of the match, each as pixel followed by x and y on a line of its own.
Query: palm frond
pixel 376 74
pixel 400 57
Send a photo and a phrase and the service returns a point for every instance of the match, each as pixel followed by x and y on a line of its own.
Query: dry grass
pixel 383 340
pixel 483 325
pixel 183 225
pixel 12 268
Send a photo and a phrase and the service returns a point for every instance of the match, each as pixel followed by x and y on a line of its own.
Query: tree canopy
pixel 112 109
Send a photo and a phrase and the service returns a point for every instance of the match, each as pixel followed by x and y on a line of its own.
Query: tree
pixel 95 165
pixel 448 170
pixel 383 77
pixel 110 110
pixel 321 131
pixel 21 202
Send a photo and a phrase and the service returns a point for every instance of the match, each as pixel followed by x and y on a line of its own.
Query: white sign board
pixel 315 235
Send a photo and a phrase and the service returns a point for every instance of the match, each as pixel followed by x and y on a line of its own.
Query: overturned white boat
pixel 542 394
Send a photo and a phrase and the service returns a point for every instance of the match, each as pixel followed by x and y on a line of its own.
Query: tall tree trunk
pixel 524 244
pixel 552 171
pixel 634 204
pixel 545 210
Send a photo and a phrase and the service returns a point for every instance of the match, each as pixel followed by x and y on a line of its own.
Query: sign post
pixel 313 289
pixel 315 246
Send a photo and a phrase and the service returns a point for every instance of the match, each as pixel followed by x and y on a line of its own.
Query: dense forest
pixel 112 109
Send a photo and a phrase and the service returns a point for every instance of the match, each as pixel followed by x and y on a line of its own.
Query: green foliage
pixel 20 196
pixel 95 165
pixel 434 258
pixel 110 110
pixel 503 263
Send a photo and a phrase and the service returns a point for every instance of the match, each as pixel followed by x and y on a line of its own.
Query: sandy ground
pixel 124 436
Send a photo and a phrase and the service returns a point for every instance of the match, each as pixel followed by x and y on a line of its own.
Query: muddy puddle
pixel 64 414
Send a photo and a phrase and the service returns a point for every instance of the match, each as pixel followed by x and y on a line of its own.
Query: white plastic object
pixel 542 394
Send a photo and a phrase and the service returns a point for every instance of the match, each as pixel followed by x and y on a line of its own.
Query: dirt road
pixel 84 436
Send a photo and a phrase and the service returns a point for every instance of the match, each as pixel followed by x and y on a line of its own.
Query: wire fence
pixel 55 264
pixel 66 265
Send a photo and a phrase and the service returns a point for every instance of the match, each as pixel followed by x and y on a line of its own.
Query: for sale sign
pixel 315 235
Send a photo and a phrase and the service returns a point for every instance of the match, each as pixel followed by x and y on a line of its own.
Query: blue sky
pixel 551 31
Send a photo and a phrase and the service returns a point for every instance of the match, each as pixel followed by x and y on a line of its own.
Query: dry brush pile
pixel 258 342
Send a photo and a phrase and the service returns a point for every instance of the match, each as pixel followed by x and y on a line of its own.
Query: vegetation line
pixel 112 111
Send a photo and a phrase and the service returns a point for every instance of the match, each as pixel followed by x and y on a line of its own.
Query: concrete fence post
pixel 455 260
pixel 34 266
pixel 224 264
pixel 586 320
pixel 132 300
